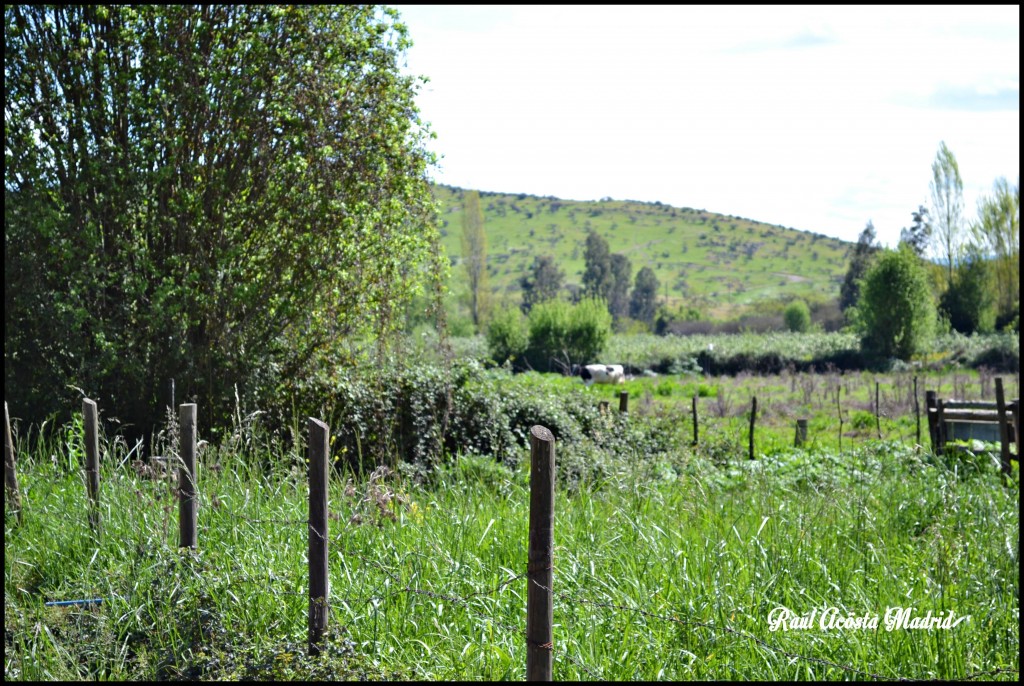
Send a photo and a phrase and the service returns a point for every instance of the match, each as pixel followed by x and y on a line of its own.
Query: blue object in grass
pixel 87 601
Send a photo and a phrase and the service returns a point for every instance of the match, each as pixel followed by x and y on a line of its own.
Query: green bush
pixel 549 334
pixel 506 335
pixel 970 302
pixel 590 327
pixel 895 313
pixel 562 334
pixel 797 316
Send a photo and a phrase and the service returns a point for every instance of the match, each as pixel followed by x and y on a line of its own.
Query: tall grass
pixel 667 566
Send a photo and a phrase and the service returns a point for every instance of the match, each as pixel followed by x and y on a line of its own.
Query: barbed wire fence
pixel 465 602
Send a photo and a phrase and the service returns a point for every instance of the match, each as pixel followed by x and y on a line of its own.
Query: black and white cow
pixel 602 373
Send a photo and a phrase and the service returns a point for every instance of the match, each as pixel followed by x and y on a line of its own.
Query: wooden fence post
pixel 90 419
pixel 187 477
pixel 931 408
pixel 319 587
pixel 878 414
pixel 10 475
pixel 623 401
pixel 940 426
pixel 695 420
pixel 801 433
pixel 1004 429
pixel 539 594
pixel 917 414
pixel 1015 410
pixel 753 417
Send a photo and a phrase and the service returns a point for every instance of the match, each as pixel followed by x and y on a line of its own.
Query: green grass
pixel 718 263
pixel 666 567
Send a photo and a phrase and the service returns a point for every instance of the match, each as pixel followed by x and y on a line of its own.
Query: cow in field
pixel 602 373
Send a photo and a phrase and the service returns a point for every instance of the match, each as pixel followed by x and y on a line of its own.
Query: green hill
pixel 721 264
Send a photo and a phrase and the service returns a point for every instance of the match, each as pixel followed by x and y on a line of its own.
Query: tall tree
pixel 474 254
pixel 213 194
pixel 597 273
pixel 618 298
pixel 919 235
pixel 896 314
pixel 997 232
pixel 969 302
pixel 863 252
pixel 947 206
pixel 644 304
pixel 543 282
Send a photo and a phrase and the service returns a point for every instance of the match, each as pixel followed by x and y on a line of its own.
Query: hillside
pixel 719 263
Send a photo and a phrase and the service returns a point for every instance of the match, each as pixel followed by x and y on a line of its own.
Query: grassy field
pixel 668 562
pixel 718 263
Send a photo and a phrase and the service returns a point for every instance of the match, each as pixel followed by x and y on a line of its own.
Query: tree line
pixel 607 276
pixel 946 272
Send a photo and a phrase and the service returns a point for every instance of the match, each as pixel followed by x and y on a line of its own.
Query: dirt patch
pixel 792 278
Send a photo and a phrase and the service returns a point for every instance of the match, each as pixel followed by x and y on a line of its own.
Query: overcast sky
pixel 817 119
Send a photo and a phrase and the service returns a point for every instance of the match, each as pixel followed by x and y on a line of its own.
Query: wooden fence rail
pixel 995 422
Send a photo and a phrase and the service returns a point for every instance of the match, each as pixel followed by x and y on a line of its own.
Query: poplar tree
pixel 997 232
pixel 474 255
pixel 947 207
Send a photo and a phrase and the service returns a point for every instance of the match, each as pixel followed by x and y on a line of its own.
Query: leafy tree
pixel 918 236
pixel 506 335
pixel 590 327
pixel 797 316
pixel 863 253
pixel 618 298
pixel 997 233
pixel 562 334
pixel 597 274
pixel 644 303
pixel 474 254
pixel 969 303
pixel 895 313
pixel 543 283
pixel 947 205
pixel 215 194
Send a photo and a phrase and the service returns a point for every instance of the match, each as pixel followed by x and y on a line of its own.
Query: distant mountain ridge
pixel 718 263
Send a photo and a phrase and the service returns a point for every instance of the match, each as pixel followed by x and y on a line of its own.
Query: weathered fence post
pixel 801 433
pixel 623 401
pixel 10 475
pixel 878 414
pixel 931 408
pixel 1004 429
pixel 539 594
pixel 318 580
pixel 940 426
pixel 90 419
pixel 1015 410
pixel 917 414
pixel 753 417
pixel 695 420
pixel 187 477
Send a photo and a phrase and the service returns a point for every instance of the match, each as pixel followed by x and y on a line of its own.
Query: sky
pixel 813 118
